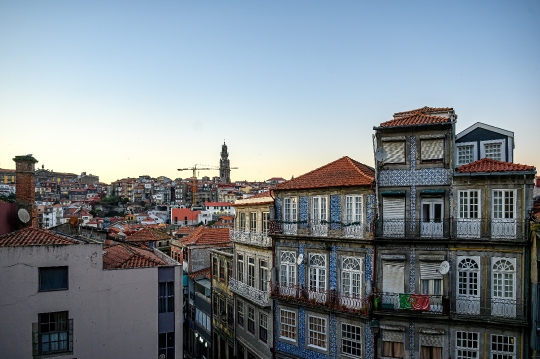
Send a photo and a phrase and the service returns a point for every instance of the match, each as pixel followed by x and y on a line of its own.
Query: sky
pixel 127 88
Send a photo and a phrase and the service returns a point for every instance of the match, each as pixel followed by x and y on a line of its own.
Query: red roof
pixel 489 165
pixel 342 172
pixel 148 235
pixel 205 235
pixel 34 237
pixel 181 213
pixel 200 273
pixel 420 116
pixel 424 109
pixel 124 256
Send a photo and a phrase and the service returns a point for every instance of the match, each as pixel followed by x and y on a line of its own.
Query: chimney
pixel 25 185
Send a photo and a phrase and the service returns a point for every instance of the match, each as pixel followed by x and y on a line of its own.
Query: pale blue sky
pixel 129 88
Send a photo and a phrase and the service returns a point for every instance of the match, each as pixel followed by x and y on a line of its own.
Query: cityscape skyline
pixel 119 89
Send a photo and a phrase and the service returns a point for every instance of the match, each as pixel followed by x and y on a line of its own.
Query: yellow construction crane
pixel 194 178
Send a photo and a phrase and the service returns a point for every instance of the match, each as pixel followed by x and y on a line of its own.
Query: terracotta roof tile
pixel 148 235
pixel 342 172
pixel 205 235
pixel 34 237
pixel 200 273
pixel 124 256
pixel 489 165
pixel 416 119
pixel 425 109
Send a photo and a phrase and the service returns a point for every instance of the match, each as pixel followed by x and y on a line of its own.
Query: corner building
pixel 323 252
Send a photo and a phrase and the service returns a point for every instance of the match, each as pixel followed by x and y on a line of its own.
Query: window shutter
pixel 427 340
pixel 430 270
pixel 432 149
pixel 393 277
pixel 395 152
pixel 393 208
pixel 392 336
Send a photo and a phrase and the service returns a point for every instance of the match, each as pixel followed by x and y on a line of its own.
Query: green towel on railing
pixel 405 301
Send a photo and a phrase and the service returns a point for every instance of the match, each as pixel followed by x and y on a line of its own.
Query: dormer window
pixel 493 151
pixel 466 153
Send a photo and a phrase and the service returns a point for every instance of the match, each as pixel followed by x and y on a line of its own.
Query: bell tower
pixel 224 165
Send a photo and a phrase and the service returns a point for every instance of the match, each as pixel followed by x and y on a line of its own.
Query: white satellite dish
pixel 300 259
pixel 24 216
pixel 444 267
pixel 380 154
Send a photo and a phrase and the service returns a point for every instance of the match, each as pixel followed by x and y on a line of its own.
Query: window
pixel 263 275
pixel 319 209
pixel 430 278
pixel 53 278
pixel 493 151
pixel 468 291
pixel 222 309
pixel 289 209
pixel 431 346
pixel 241 221
pixel 214 267
pixel 351 277
pixel 287 321
pixel 202 318
pixel 317 332
pixel 467 345
pixel 253 221
pixel 221 269
pixel 215 306
pixel 351 340
pixel 432 150
pixel 392 344
pixel 240 306
pixel 353 209
pixel 53 332
pixel 465 154
pixel 166 297
pixel 229 271
pixel 265 221
pixel 503 347
pixel 230 311
pixel 469 204
pixel 317 272
pixel 263 327
pixel 287 269
pixel 240 267
pixel 166 345
pixel 395 151
pixel 394 216
pixel 503 204
pixel 251 319
pixel 503 287
pixel 251 272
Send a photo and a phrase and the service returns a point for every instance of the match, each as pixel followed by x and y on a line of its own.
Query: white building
pixel 73 298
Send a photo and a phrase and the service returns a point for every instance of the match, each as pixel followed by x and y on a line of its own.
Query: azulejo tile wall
pixel 277 203
pixel 369 341
pixel 333 268
pixel 421 177
pixel 303 211
pixel 371 209
pixel 411 339
pixel 412 275
pixel 335 211
pixel 301 267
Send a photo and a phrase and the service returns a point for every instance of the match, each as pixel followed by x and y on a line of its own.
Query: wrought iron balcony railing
pixel 492 307
pixel 255 295
pixel 469 228
pixel 413 303
pixel 253 238
pixel 321 228
pixel 327 299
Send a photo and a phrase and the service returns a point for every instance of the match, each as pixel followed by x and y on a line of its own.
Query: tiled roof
pixel 148 235
pixel 489 165
pixel 259 198
pixel 425 109
pixel 205 235
pixel 124 256
pixel 342 172
pixel 416 119
pixel 34 237
pixel 200 273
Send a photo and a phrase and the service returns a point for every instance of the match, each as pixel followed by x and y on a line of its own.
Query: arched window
pixel 287 268
pixel 351 276
pixel 317 272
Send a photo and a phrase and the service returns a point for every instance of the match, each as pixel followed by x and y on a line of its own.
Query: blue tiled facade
pixel 303 211
pixel 335 211
pixel 333 269
pixel 371 209
pixel 302 266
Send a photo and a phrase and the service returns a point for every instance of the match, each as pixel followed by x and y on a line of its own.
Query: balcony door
pixel 290 225
pixel 287 273
pixel 468 286
pixel 432 217
pixel 393 283
pixel 319 216
pixel 503 224
pixel 468 223
pixel 503 287
pixel 317 277
pixel 394 216
pixel 351 282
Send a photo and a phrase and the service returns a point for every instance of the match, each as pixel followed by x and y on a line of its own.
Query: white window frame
pixel 469 347
pixel 483 148
pixel 354 335
pixel 354 208
pixel 240 267
pixel 290 209
pixel 288 328
pixel 253 221
pixel 503 286
pixel 348 277
pixel 312 332
pixel 319 208
pixel 265 222
pixel 242 221
pixel 461 206
pixel 287 269
pixel 504 196
pixel 317 273
pixel 263 274
pixel 511 341
pixel 251 271
pixel 466 144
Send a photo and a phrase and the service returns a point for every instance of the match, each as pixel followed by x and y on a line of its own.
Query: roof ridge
pixel 354 164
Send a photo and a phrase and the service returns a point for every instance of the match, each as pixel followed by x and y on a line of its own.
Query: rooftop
pixel 124 256
pixel 489 165
pixel 205 235
pixel 35 237
pixel 421 116
pixel 342 172
pixel 148 235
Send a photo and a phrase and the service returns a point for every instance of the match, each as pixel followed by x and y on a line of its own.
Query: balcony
pixel 466 228
pixel 325 299
pixel 331 229
pixel 253 238
pixel 488 308
pixel 411 303
pixel 253 294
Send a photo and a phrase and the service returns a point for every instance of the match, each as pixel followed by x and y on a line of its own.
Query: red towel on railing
pixel 420 302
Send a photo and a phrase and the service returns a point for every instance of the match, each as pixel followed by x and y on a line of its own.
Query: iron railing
pixel 321 228
pixel 491 307
pixel 255 295
pixel 446 228
pixel 414 303
pixel 253 238
pixel 327 299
